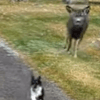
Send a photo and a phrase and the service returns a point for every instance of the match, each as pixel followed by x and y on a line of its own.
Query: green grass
pixel 40 34
pixel 24 31
pixel 95 20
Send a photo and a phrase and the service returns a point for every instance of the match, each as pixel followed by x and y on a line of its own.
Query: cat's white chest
pixel 36 93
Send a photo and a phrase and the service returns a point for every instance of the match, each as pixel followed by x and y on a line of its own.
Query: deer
pixel 76 26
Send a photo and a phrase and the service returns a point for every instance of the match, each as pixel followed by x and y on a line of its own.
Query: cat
pixel 37 90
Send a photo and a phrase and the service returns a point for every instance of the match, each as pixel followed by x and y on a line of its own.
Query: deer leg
pixel 66 41
pixel 69 43
pixel 76 44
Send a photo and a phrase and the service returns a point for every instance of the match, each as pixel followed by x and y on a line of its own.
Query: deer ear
pixel 87 9
pixel 69 9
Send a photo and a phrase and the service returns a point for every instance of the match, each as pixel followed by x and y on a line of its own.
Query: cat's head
pixel 36 81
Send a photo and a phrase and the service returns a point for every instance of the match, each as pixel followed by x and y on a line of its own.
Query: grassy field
pixel 37 29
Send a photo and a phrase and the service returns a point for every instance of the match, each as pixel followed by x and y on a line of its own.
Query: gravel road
pixel 15 78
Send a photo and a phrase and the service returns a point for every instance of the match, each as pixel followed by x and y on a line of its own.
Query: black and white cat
pixel 37 91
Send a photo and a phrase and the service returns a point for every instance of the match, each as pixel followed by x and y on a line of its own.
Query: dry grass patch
pixel 94 10
pixel 60 29
pixel 32 7
pixel 95 0
pixel 95 52
pixel 86 79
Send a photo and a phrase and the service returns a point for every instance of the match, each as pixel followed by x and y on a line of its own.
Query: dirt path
pixel 15 79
